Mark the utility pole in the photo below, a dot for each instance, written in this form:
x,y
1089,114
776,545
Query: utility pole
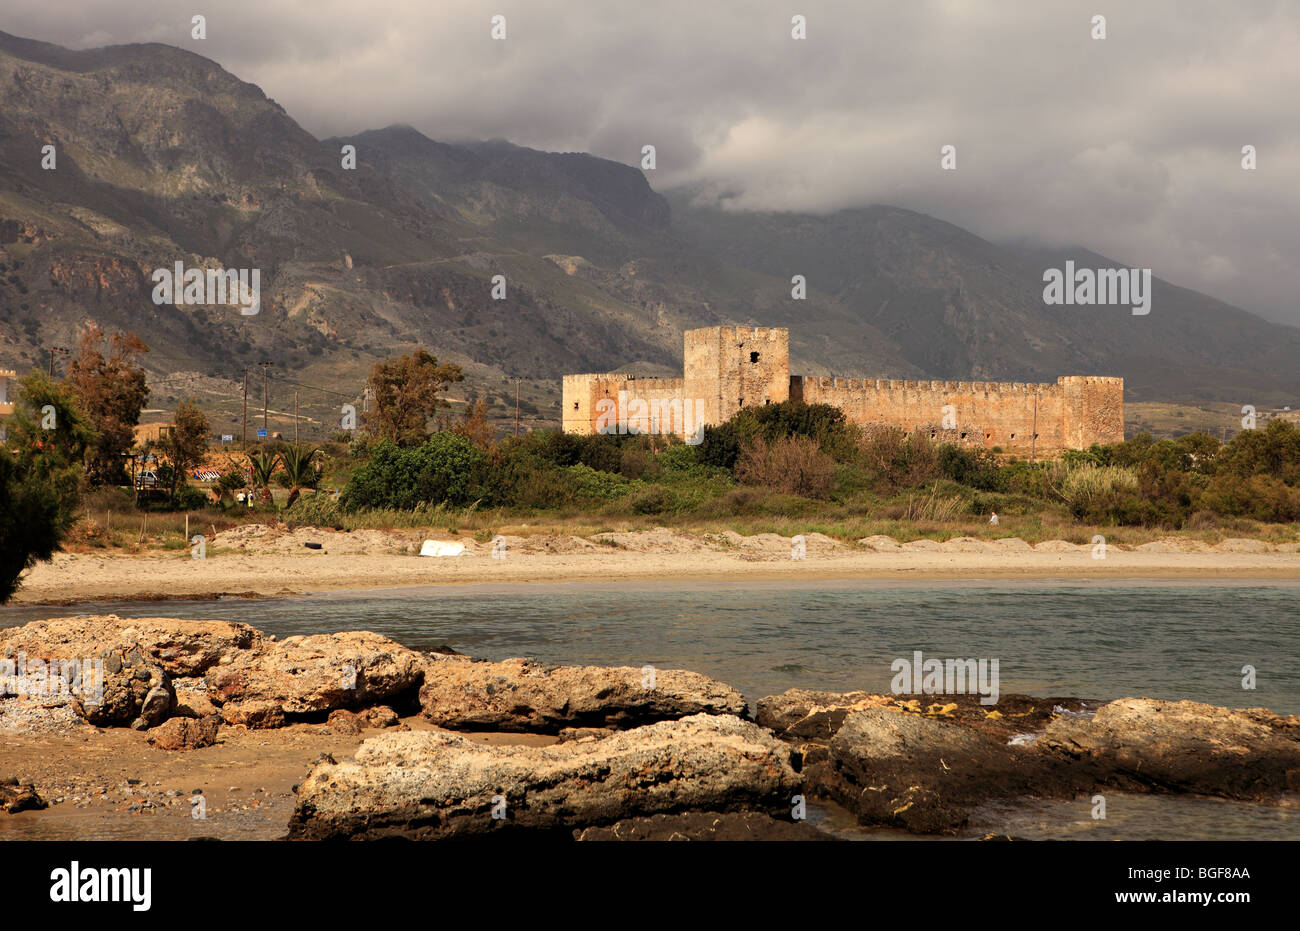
x,y
243,441
53,350
265,394
516,407
295,418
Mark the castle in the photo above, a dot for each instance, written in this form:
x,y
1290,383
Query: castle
x,y
731,367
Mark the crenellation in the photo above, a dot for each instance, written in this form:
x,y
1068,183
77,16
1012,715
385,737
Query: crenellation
x,y
734,367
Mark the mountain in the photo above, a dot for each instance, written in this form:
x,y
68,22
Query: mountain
x,y
163,156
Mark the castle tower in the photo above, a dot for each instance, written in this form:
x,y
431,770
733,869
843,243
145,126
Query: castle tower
x,y
730,367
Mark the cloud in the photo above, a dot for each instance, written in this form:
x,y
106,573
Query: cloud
x,y
1129,146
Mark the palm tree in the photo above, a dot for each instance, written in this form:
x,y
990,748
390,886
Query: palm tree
x,y
263,465
300,467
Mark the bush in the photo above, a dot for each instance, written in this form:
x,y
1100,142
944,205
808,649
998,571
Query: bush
x,y
590,483
444,469
793,464
652,500
318,510
897,459
971,467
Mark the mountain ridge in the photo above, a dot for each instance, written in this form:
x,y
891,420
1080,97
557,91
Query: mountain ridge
x,y
164,156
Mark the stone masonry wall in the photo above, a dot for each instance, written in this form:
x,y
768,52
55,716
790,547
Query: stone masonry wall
x,y
727,368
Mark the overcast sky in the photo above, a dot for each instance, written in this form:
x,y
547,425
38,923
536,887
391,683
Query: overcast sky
x,y
1130,145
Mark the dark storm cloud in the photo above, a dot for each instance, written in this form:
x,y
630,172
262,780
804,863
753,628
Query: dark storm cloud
x,y
1129,146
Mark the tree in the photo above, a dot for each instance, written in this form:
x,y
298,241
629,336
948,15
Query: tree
x,y
300,467
40,478
111,391
406,396
444,469
474,426
187,444
262,465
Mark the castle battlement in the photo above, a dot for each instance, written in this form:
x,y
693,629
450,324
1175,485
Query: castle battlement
x,y
728,368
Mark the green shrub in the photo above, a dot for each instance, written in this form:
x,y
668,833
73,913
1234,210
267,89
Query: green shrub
x,y
444,469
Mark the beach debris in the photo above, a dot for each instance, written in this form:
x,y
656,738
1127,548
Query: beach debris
x,y
443,548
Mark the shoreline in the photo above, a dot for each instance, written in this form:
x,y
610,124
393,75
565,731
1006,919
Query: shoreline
x,y
278,569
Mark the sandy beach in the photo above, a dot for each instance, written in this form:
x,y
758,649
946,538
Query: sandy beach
x,y
259,560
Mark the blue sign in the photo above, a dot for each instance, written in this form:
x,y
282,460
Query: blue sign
x,y
261,433
227,438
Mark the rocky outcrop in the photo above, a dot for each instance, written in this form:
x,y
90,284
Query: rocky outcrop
x,y
524,695
185,733
181,648
313,675
1184,746
803,714
924,774
133,690
431,785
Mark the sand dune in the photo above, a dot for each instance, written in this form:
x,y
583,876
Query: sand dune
x,y
262,560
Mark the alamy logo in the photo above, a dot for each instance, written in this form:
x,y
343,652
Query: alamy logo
x,y
657,415
56,680
181,285
1118,286
946,677
78,884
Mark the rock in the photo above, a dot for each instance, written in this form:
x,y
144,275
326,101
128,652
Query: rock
x,y
1183,746
253,714
134,690
379,716
708,825
185,733
344,722
193,703
181,648
880,543
805,715
305,675
524,695
809,714
568,734
430,785
924,774
16,797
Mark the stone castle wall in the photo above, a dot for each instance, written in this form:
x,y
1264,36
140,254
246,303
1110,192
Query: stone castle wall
x,y
727,368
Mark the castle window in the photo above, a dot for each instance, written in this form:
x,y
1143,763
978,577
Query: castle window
x,y
963,436
741,402
575,405
1013,436
753,357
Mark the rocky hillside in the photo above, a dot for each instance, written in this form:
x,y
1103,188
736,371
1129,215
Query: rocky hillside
x,y
163,156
